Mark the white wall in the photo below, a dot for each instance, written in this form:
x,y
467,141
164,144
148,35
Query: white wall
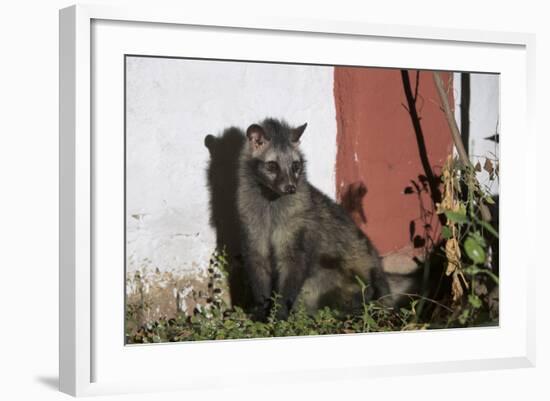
x,y
484,120
172,104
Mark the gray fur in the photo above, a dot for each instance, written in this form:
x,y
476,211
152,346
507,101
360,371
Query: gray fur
x,y
298,243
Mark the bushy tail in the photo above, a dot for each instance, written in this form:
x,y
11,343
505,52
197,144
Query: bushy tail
x,y
382,290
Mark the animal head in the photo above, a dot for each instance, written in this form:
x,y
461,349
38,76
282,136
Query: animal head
x,y
275,157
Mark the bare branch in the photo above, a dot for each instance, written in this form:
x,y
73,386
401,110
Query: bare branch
x,y
457,138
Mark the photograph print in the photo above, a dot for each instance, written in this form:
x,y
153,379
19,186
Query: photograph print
x,y
267,199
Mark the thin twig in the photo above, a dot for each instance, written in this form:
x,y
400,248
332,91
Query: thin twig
x,y
457,138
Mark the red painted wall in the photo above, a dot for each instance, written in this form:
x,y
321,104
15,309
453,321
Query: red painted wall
x,y
378,154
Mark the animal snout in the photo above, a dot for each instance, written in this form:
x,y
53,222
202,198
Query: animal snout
x,y
290,189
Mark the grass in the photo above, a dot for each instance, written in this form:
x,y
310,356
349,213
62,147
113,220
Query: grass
x,y
218,324
213,319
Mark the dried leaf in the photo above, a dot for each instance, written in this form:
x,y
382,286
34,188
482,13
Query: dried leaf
x,y
452,253
488,166
456,287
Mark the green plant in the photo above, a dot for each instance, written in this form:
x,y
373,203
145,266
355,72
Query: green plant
x,y
468,242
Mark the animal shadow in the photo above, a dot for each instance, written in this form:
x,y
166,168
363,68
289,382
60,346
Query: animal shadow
x,y
222,180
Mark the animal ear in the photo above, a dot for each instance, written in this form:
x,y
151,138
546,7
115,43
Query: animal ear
x,y
257,138
210,142
297,132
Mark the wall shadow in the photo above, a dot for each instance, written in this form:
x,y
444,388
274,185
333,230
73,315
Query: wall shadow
x,y
432,180
222,180
352,202
428,183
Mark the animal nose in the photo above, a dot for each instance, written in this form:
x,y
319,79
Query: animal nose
x,y
290,189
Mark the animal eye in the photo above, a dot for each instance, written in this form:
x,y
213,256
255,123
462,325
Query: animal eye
x,y
296,166
272,167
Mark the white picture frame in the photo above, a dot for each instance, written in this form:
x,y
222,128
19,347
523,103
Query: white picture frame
x,y
93,358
